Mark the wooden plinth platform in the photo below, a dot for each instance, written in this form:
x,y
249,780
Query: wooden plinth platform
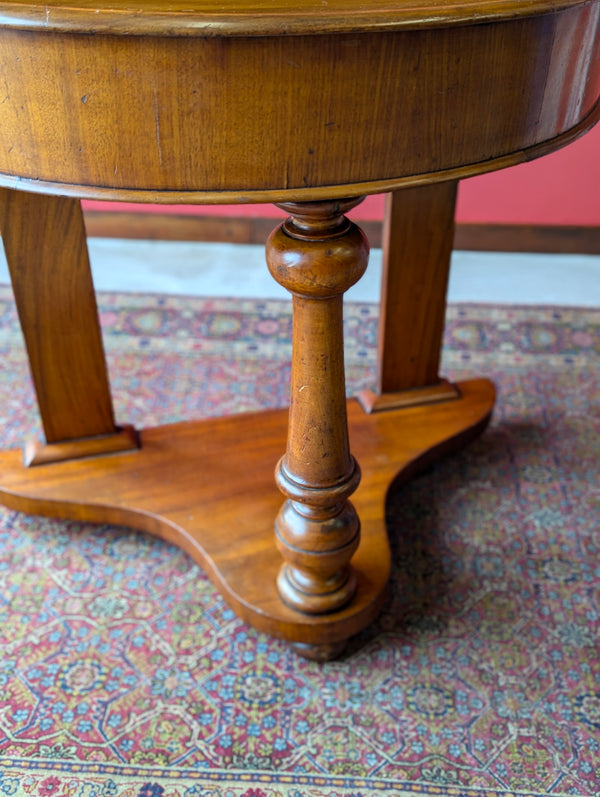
x,y
208,487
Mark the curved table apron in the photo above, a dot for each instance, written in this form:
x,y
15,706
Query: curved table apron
x,y
310,106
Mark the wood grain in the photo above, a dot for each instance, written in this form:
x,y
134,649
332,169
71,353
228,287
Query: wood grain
x,y
209,18
418,239
191,102
45,245
205,118
317,254
124,438
193,484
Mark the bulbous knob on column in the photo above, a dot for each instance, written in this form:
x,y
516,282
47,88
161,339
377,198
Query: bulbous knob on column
x,y
317,254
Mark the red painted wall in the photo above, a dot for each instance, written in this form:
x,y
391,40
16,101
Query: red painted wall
x,y
560,189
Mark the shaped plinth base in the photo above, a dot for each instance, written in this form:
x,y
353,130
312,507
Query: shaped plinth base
x,y
208,487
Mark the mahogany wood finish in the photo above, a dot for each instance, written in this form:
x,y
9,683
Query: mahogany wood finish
x,y
419,234
317,254
45,245
418,237
208,487
52,284
217,106
304,105
124,438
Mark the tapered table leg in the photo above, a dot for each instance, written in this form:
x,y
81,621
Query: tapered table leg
x,y
417,245
45,244
208,485
317,254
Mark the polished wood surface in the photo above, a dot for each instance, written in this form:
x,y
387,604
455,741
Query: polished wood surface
x,y
157,109
417,244
208,487
418,240
261,17
52,284
312,106
317,254
46,251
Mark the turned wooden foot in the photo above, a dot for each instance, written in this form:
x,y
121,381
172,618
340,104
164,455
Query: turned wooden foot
x,y
324,652
317,254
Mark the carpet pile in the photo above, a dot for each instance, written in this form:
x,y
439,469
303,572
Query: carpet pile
x,y
122,672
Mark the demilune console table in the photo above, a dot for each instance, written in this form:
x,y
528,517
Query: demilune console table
x,y
311,105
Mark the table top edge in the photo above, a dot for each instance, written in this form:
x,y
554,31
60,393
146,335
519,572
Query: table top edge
x,y
250,18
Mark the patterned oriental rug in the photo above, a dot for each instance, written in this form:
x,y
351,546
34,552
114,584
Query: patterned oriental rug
x,y
123,673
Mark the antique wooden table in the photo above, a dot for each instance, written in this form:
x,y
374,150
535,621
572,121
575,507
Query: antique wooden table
x,y
309,104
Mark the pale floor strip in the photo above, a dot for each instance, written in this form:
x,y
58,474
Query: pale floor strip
x,y
237,270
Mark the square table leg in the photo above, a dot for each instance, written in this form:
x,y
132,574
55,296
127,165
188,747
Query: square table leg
x,y
418,237
46,250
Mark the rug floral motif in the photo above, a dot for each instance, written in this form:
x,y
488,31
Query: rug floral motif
x,y
122,672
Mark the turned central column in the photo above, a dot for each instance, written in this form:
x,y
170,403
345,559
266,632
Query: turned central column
x,y
317,254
